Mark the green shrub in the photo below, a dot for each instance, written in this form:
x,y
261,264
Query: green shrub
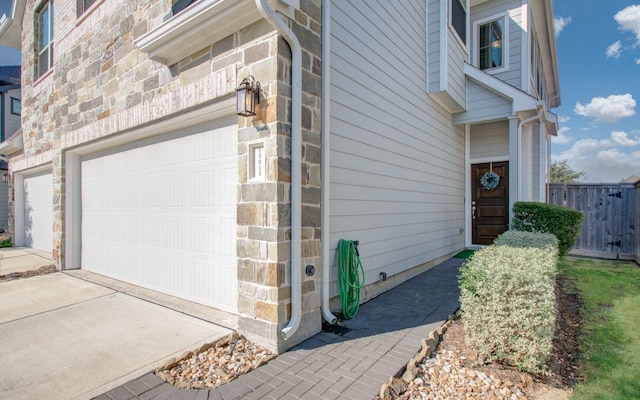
x,y
564,223
5,243
527,239
508,304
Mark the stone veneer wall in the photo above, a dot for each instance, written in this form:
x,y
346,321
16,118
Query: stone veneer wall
x,y
264,227
101,85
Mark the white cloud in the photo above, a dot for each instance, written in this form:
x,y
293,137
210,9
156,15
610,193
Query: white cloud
x,y
609,109
561,138
638,61
563,119
613,51
559,23
622,139
604,160
629,20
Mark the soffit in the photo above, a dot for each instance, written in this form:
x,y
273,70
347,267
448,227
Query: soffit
x,y
202,24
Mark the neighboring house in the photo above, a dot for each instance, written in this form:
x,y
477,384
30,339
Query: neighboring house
x,y
9,123
410,126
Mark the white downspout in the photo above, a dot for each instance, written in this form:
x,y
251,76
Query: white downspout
x,y
326,150
296,160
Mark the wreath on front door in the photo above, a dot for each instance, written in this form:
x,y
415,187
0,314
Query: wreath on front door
x,y
490,180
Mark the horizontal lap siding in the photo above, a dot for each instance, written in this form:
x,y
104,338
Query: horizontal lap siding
x,y
490,140
483,104
456,79
397,161
433,45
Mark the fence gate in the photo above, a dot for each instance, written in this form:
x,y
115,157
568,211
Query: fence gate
x,y
608,230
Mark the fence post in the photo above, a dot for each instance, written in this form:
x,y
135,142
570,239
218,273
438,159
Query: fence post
x,y
637,241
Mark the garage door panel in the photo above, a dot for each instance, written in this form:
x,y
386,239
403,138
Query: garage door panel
x,y
37,223
169,226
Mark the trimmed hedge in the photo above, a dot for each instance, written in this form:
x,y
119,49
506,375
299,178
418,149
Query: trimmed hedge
x,y
564,223
527,239
508,304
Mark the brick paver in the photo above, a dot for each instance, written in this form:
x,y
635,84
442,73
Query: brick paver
x,y
353,364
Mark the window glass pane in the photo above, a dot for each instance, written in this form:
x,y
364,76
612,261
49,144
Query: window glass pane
x,y
459,19
88,3
43,25
44,39
490,45
15,106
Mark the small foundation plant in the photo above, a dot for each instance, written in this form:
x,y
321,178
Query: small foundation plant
x,y
508,302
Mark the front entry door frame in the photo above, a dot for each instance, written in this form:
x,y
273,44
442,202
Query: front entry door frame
x,y
474,190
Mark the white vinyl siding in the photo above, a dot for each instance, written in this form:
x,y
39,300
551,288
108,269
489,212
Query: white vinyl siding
x,y
433,46
483,105
161,213
535,167
490,140
446,58
457,56
397,161
11,121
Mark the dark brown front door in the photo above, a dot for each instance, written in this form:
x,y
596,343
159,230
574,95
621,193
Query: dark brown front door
x,y
489,205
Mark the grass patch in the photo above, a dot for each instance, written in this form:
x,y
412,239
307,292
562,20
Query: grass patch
x,y
610,334
466,254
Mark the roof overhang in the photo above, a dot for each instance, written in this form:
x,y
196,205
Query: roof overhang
x,y
542,13
202,24
521,101
11,26
12,144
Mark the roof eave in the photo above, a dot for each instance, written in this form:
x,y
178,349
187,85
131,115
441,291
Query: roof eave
x,y
11,27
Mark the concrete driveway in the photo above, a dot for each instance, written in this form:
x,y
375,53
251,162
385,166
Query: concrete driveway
x,y
62,337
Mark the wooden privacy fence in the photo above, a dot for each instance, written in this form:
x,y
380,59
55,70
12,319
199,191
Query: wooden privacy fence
x,y
611,215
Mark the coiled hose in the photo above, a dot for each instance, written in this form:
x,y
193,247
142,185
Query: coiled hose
x,y
349,282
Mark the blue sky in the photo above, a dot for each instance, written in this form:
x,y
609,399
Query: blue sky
x,y
8,56
598,44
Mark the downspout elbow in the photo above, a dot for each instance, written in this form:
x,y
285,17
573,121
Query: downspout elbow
x,y
296,158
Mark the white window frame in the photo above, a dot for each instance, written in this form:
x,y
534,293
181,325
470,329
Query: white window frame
x,y
465,4
505,42
48,47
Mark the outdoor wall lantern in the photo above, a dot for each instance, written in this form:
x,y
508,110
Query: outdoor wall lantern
x,y
248,95
5,178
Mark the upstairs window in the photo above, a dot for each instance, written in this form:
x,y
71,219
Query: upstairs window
x,y
459,19
44,38
84,5
16,108
179,5
491,45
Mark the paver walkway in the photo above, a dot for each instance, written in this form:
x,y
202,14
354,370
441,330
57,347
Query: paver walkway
x,y
353,362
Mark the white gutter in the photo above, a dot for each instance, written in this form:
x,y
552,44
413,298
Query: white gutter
x,y
296,160
326,150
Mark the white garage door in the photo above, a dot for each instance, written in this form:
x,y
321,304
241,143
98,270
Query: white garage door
x,y
38,211
161,213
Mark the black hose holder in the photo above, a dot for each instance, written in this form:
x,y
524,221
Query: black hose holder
x,y
310,270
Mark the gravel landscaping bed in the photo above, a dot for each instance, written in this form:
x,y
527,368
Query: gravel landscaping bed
x,y
27,274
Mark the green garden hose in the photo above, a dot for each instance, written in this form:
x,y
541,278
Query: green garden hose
x,y
349,283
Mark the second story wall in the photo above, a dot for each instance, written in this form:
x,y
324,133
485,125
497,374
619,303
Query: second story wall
x,y
11,111
513,16
100,83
